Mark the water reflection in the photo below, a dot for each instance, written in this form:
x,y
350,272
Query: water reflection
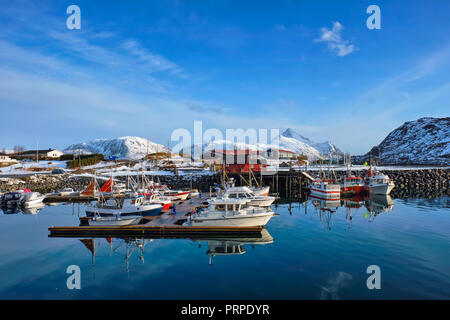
x,y
375,204
16,209
309,260
235,246
216,246
124,247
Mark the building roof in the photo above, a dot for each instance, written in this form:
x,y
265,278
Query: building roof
x,y
235,152
281,150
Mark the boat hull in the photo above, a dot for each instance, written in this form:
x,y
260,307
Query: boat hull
x,y
381,189
34,202
178,197
262,202
353,190
325,194
250,221
146,211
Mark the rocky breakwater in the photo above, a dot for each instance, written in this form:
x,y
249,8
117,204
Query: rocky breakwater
x,y
44,183
199,181
424,183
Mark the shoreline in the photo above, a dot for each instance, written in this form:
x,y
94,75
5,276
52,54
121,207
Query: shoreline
x,y
407,181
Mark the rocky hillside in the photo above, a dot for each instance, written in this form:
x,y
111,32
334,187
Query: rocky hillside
x,y
425,141
122,148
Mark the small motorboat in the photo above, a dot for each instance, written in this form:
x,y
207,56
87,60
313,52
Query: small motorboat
x,y
68,192
128,206
176,195
31,199
227,212
156,198
247,193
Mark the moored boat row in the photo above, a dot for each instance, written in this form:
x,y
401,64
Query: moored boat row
x,y
374,183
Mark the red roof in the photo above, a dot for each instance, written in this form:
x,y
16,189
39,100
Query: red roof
x,y
236,152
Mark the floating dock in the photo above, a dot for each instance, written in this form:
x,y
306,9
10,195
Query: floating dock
x,y
54,199
77,198
145,230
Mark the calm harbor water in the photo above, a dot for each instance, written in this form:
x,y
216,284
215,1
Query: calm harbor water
x,y
312,250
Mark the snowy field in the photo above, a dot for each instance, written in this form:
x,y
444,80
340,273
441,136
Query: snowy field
x,y
21,167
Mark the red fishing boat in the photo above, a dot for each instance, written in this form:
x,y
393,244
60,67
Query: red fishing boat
x,y
352,185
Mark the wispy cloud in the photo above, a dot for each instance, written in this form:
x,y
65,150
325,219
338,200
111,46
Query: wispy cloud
x,y
437,60
152,60
334,40
203,108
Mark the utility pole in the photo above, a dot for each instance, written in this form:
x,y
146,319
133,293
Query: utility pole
x,y
37,152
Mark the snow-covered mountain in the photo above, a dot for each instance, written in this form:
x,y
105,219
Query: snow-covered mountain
x,y
122,148
423,141
288,140
326,149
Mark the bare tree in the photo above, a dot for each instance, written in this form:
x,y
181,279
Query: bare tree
x,y
19,148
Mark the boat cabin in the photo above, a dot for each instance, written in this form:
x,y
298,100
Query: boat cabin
x,y
228,205
239,193
353,181
380,179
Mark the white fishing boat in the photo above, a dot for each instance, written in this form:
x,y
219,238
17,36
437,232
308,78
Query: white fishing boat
x,y
380,184
128,206
225,212
31,199
247,193
325,189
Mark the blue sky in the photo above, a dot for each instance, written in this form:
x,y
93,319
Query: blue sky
x,y
147,68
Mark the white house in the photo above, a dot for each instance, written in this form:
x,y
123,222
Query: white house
x,y
53,153
42,154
